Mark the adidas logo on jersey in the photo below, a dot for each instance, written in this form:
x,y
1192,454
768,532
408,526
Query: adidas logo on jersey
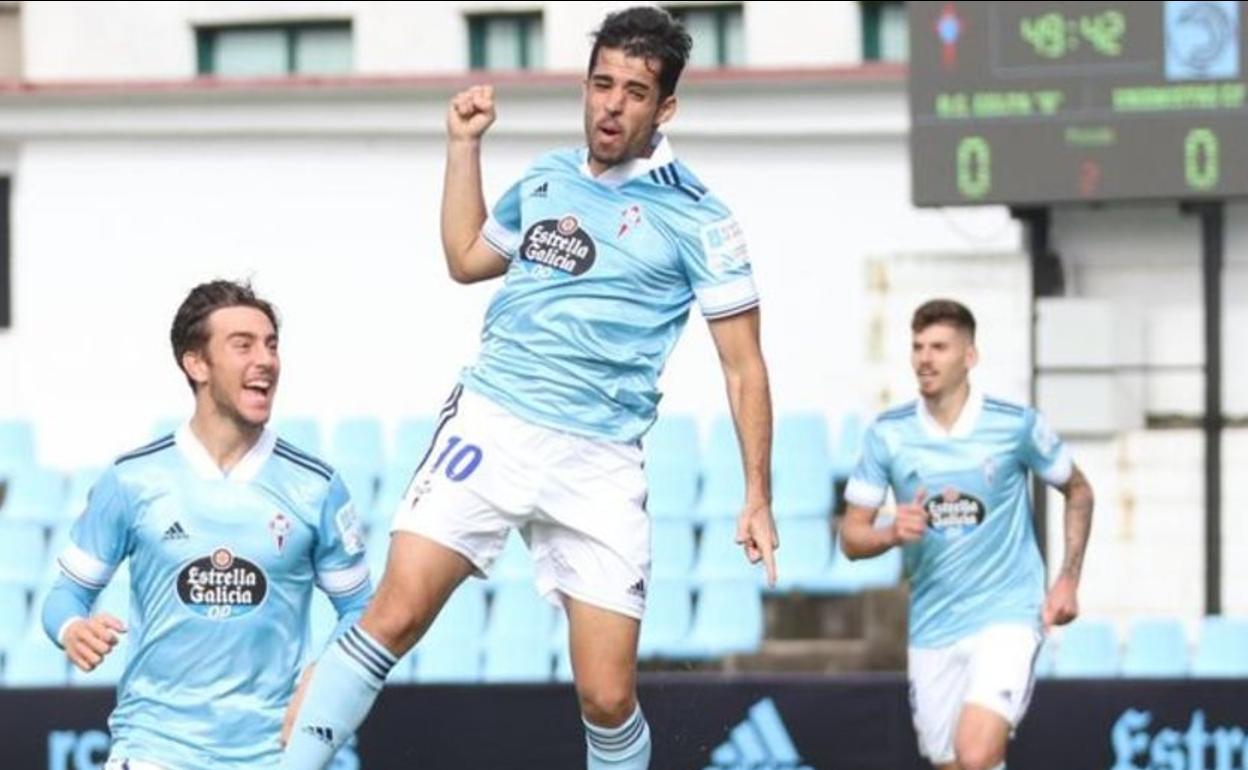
x,y
323,734
540,191
761,742
638,589
175,532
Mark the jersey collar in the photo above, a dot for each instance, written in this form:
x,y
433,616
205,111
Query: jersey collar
x,y
624,172
965,423
205,467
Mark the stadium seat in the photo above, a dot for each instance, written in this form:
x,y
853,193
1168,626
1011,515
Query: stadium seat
x,y
719,556
17,446
519,615
411,441
35,495
723,484
302,432
672,468
1222,650
358,442
21,553
33,661
1156,648
451,649
801,467
848,445
514,564
361,483
728,619
849,576
806,554
671,550
1087,648
506,661
80,483
669,616
14,614
389,495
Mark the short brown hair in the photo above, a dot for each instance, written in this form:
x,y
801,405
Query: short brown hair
x,y
190,324
943,311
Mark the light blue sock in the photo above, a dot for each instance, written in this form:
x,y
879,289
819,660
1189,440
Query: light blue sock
x,y
626,747
344,685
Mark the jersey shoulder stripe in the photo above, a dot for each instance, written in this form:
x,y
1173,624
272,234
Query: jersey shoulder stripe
x,y
670,177
302,455
278,451
159,445
1003,406
899,413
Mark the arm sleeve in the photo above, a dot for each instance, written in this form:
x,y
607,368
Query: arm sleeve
x,y
1043,451
868,484
99,541
339,555
502,227
66,602
714,256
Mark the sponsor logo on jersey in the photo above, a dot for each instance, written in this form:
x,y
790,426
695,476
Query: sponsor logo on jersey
x,y
560,244
954,511
222,585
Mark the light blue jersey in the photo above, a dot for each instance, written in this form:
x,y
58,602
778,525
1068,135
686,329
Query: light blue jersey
x,y
221,575
603,272
977,563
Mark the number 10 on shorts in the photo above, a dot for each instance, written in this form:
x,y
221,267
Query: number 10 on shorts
x,y
460,459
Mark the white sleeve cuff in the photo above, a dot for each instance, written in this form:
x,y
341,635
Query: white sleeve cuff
x,y
864,494
340,582
1058,472
84,569
501,239
725,299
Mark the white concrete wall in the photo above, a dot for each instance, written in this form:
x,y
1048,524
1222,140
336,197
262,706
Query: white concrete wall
x,y
155,39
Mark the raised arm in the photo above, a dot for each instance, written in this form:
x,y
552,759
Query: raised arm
x,y
469,257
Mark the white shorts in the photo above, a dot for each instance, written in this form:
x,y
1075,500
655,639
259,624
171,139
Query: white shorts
x,y
578,502
993,668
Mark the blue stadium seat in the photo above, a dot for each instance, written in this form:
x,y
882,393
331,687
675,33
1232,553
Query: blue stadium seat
x,y
672,467
1223,648
33,661
80,483
14,614
35,495
515,564
669,617
389,495
17,446
303,432
358,442
805,554
451,649
849,576
719,556
411,441
1156,648
1046,658
506,661
723,484
801,467
1087,648
848,445
520,616
21,553
728,619
671,550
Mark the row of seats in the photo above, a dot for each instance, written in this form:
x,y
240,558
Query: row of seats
x,y
1152,648
687,480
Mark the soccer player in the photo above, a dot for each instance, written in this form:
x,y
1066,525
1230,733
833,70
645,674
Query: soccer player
x,y
604,250
226,528
957,462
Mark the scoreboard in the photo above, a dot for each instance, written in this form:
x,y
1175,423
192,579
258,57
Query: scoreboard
x,y
1046,102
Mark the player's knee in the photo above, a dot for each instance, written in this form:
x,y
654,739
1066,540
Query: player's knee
x,y
978,756
607,705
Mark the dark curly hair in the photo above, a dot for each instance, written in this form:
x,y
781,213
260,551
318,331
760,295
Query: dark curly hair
x,y
647,32
190,324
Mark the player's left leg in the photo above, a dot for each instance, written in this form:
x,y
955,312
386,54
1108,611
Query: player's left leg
x,y
603,647
1001,681
591,548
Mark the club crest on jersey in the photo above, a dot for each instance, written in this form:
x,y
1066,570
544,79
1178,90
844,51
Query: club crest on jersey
x,y
560,244
222,585
954,513
630,220
280,527
990,471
